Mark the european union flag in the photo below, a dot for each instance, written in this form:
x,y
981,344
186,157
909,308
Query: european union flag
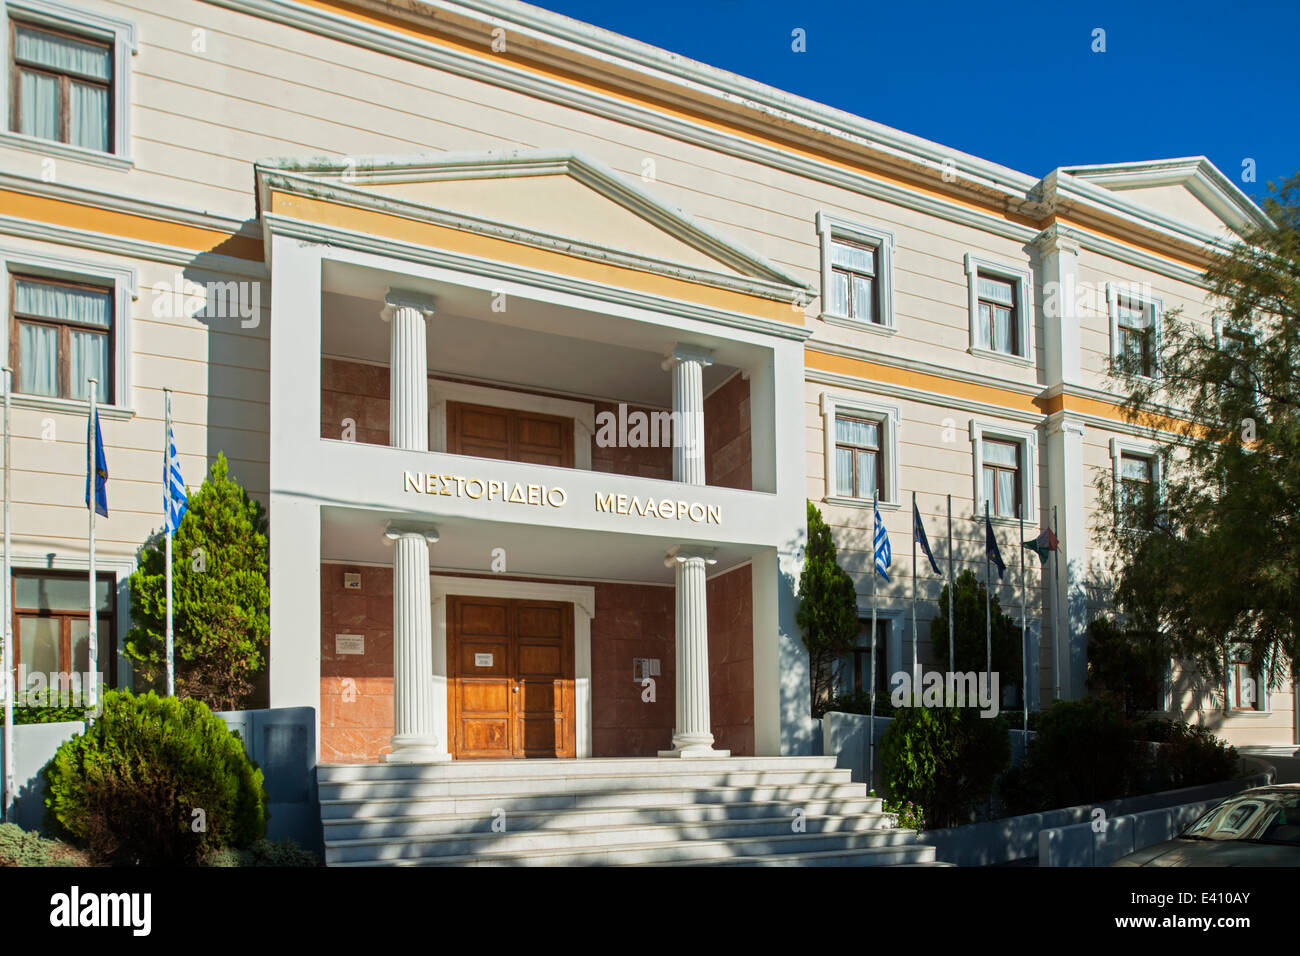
x,y
101,469
918,529
991,547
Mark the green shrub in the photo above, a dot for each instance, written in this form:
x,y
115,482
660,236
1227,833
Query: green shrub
x,y
908,815
1085,752
154,780
1188,756
19,847
947,759
858,702
263,853
49,715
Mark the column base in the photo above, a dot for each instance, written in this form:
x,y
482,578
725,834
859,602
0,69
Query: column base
x,y
700,745
416,750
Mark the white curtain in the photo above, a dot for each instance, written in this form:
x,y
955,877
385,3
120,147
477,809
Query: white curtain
x,y
88,357
63,53
1002,330
89,117
64,303
38,359
839,293
1007,493
843,471
39,106
982,326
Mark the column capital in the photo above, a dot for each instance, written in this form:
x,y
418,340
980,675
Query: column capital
x,y
395,299
1056,238
394,530
687,353
681,553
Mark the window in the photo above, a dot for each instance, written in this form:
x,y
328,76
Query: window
x,y
997,326
1136,335
63,87
1002,478
1236,344
1006,463
52,625
1000,325
861,451
853,282
1134,328
858,677
1244,691
1136,475
66,82
857,274
1137,490
859,465
61,334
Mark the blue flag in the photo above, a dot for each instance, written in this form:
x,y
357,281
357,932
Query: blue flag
x,y
101,470
918,529
177,500
883,552
991,547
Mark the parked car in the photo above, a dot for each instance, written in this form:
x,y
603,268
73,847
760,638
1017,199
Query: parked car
x,y
1259,827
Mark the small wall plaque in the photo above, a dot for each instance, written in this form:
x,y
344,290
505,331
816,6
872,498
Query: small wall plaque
x,y
351,581
482,660
349,643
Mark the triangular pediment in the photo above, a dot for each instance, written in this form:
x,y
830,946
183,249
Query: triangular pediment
x,y
558,199
1191,191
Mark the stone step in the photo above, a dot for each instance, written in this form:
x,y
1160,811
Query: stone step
x,y
586,800
880,847
435,787
599,767
446,824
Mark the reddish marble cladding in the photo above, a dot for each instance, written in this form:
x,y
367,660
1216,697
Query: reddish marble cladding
x,y
350,390
726,436
631,621
642,462
731,661
356,690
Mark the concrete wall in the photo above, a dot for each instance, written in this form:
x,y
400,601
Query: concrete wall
x,y
34,745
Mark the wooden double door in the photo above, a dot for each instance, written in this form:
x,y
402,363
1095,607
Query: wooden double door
x,y
510,678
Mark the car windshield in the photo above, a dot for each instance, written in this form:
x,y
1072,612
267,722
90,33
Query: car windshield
x,y
1258,817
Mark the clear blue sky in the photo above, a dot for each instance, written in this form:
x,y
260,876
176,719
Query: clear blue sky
x,y
1016,83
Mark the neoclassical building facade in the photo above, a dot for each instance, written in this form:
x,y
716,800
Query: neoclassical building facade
x,y
535,340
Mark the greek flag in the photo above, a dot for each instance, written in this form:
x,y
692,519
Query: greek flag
x,y
177,500
882,549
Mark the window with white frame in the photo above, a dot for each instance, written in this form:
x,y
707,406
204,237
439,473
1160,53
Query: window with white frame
x,y
857,274
1000,320
67,74
1246,685
1006,461
861,450
66,321
1136,474
1236,344
1135,317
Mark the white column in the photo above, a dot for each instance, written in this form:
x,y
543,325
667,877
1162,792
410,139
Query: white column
x,y
687,363
415,738
1066,486
693,735
408,369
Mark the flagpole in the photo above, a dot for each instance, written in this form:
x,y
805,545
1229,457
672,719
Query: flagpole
x,y
916,681
10,689
1056,602
988,603
1024,653
952,586
92,479
167,528
871,723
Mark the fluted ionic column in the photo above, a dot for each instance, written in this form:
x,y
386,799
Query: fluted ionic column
x,y
687,364
408,369
693,735
415,739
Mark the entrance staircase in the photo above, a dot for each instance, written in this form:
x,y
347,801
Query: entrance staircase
x,y
736,811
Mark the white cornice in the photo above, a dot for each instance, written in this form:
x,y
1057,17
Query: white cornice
x,y
558,40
